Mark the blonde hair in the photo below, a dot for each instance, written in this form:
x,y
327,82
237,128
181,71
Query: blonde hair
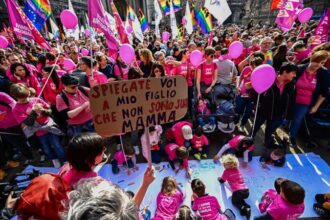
x,y
320,56
147,56
19,91
169,185
229,161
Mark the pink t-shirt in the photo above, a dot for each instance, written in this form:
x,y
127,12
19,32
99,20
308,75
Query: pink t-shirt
x,y
281,209
233,143
198,142
252,49
169,69
30,81
120,157
170,151
280,87
267,199
207,72
208,208
75,101
50,92
98,77
245,76
176,132
7,118
305,86
73,176
234,178
22,111
123,74
182,70
202,109
168,205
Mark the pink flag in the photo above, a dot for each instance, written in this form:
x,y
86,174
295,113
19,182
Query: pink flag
x,y
210,40
120,24
22,26
98,19
322,30
288,14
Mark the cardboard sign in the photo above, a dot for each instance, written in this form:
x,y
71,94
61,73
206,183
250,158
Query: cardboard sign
x,y
124,106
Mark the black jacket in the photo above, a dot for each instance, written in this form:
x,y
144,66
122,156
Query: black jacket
x,y
272,104
322,82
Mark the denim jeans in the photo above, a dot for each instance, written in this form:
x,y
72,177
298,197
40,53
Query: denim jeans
x,y
300,112
52,146
244,108
74,130
204,120
271,126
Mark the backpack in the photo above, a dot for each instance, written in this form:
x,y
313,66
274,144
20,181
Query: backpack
x,y
43,198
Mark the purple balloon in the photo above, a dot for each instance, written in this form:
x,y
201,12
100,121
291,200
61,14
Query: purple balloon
x,y
235,49
196,58
69,19
84,52
305,14
87,33
263,77
127,53
166,36
68,64
129,29
3,42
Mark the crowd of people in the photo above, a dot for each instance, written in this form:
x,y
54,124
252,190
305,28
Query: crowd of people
x,y
45,110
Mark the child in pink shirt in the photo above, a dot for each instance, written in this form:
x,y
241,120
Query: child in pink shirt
x,y
176,153
127,158
269,196
200,144
289,204
84,152
203,109
168,200
237,184
207,206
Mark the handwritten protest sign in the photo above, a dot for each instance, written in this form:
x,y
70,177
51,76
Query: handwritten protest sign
x,y
124,106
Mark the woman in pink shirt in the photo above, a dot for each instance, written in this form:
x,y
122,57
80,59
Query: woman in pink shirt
x,y
168,200
312,87
176,153
289,204
94,77
53,87
84,152
237,184
21,74
121,69
207,74
207,206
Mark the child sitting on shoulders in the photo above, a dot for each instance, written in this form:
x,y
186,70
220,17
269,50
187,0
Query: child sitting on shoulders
x,y
239,145
269,196
168,200
289,204
127,159
237,184
207,206
176,153
200,144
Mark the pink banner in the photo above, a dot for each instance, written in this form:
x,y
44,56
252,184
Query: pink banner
x,y
288,14
322,30
99,20
120,25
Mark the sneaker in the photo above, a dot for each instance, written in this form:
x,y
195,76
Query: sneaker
x,y
137,150
212,128
197,156
3,174
42,158
56,163
320,210
204,156
12,164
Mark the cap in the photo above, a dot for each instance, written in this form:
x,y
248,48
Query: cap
x,y
187,132
68,79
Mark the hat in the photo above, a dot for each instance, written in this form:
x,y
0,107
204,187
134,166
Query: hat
x,y
68,79
187,132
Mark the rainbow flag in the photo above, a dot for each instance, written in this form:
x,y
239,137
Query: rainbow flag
x,y
176,5
165,5
38,11
194,12
143,21
204,19
130,13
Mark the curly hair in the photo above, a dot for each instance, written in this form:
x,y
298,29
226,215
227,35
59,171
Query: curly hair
x,y
229,161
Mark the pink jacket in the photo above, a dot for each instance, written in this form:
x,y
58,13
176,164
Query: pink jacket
x,y
176,132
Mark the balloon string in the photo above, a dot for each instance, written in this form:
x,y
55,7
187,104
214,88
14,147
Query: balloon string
x,y
255,116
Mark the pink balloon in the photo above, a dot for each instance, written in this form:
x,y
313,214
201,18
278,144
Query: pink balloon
x,y
263,77
69,19
68,64
196,58
129,29
166,36
284,29
235,49
84,52
305,14
87,33
127,53
3,42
